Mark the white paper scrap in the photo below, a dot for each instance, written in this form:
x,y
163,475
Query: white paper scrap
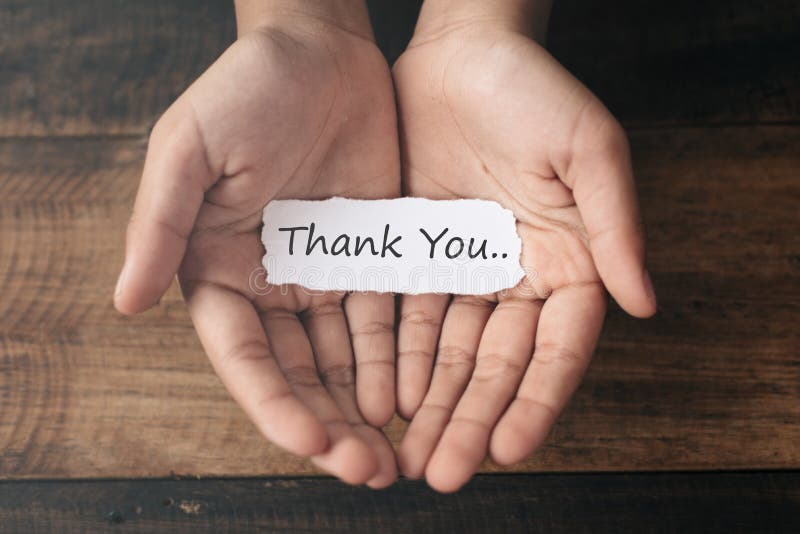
x,y
403,245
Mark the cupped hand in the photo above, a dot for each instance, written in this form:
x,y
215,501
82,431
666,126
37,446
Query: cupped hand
x,y
302,109
485,112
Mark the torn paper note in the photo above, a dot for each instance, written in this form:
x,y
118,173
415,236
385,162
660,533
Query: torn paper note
x,y
403,245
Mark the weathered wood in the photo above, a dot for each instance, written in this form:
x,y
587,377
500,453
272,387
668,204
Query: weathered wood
x,y
713,382
102,67
729,502
91,67
685,61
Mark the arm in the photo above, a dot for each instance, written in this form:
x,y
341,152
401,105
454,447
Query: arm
x,y
527,17
349,15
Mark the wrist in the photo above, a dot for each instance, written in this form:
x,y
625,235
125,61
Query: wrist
x,y
347,15
528,17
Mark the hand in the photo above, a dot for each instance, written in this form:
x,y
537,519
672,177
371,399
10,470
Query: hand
x,y
486,112
300,106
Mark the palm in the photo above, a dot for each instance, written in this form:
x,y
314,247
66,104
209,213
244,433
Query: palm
x,y
279,116
488,131
493,116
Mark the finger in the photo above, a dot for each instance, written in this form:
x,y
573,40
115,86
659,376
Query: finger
x,y
348,456
370,318
231,334
569,326
417,335
386,474
504,351
175,178
327,330
463,325
601,178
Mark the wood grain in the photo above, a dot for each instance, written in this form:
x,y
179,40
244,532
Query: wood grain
x,y
684,61
93,67
706,503
713,382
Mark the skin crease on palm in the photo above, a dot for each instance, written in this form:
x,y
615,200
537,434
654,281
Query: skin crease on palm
x,y
486,112
301,109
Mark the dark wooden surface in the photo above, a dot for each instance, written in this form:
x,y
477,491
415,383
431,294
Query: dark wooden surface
x,y
713,382
99,67
704,503
710,93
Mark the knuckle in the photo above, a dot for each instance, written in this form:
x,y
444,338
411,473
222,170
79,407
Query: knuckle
x,y
373,328
157,132
532,404
471,421
253,350
555,353
301,375
278,315
617,138
324,309
436,407
451,356
420,318
612,141
386,366
473,301
597,130
165,127
177,139
268,400
495,366
342,376
417,354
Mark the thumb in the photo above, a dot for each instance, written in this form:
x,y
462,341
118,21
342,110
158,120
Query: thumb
x,y
175,178
601,177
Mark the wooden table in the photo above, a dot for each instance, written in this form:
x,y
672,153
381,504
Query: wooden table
x,y
710,95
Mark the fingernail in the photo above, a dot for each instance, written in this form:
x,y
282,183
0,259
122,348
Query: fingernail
x,y
120,281
648,287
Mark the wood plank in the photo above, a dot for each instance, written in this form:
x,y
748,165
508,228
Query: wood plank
x,y
707,502
685,61
713,382
93,67
102,67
